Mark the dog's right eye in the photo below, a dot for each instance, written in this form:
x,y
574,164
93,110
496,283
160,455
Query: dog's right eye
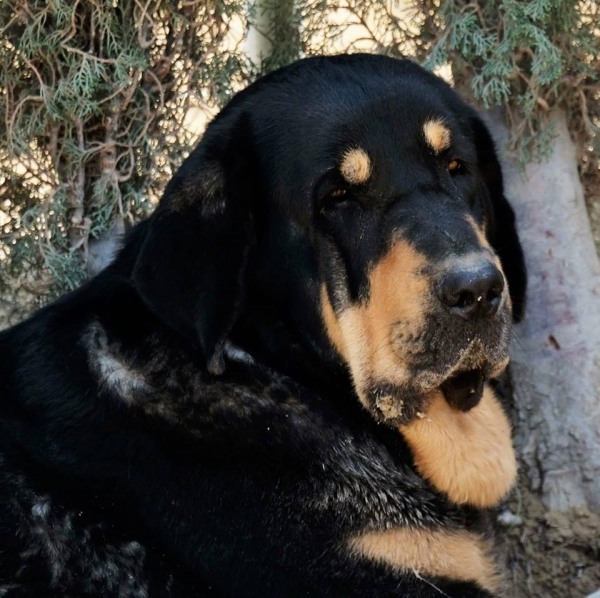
x,y
456,167
331,193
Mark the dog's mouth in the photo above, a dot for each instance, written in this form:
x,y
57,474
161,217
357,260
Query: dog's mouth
x,y
461,383
464,390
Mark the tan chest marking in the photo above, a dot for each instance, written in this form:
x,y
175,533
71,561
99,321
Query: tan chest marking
x,y
468,456
457,555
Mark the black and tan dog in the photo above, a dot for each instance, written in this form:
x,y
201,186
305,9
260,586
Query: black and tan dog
x,y
279,387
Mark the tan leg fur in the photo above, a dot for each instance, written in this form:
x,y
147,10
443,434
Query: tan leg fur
x,y
457,555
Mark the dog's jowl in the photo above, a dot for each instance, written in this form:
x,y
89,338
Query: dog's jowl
x,y
280,386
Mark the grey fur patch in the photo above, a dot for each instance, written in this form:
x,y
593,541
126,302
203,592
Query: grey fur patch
x,y
41,509
72,553
114,371
236,354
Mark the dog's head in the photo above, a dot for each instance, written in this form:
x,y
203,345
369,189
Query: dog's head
x,y
357,203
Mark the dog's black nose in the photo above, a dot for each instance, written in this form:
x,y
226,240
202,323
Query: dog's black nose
x,y
472,291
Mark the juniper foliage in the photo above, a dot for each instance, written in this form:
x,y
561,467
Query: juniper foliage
x,y
95,101
96,95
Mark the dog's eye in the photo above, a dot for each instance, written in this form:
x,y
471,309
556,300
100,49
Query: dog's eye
x,y
331,195
335,198
456,167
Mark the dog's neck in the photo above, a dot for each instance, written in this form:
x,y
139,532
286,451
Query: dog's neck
x,y
305,355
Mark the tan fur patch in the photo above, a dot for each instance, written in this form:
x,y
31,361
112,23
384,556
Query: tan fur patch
x,y
332,325
356,166
468,456
459,555
479,232
483,241
437,135
362,334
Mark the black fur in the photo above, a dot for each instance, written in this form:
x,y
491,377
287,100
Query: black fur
x,y
181,425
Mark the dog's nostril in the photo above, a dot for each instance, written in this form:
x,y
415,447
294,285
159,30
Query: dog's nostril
x,y
472,292
494,293
464,299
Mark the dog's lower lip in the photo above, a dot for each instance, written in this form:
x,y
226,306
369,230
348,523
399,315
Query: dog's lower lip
x,y
464,390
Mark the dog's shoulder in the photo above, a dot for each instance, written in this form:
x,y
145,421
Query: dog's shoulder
x,y
111,384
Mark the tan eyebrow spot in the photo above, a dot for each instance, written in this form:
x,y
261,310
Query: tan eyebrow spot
x,y
437,135
356,166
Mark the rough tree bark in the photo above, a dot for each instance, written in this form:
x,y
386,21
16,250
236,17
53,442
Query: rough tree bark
x,y
556,350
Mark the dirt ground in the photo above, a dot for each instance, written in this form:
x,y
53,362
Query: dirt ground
x,y
549,554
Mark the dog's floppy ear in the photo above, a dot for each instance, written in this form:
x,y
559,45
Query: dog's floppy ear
x,y
502,230
191,265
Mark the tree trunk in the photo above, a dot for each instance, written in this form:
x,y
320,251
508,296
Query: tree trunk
x,y
556,350
258,46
